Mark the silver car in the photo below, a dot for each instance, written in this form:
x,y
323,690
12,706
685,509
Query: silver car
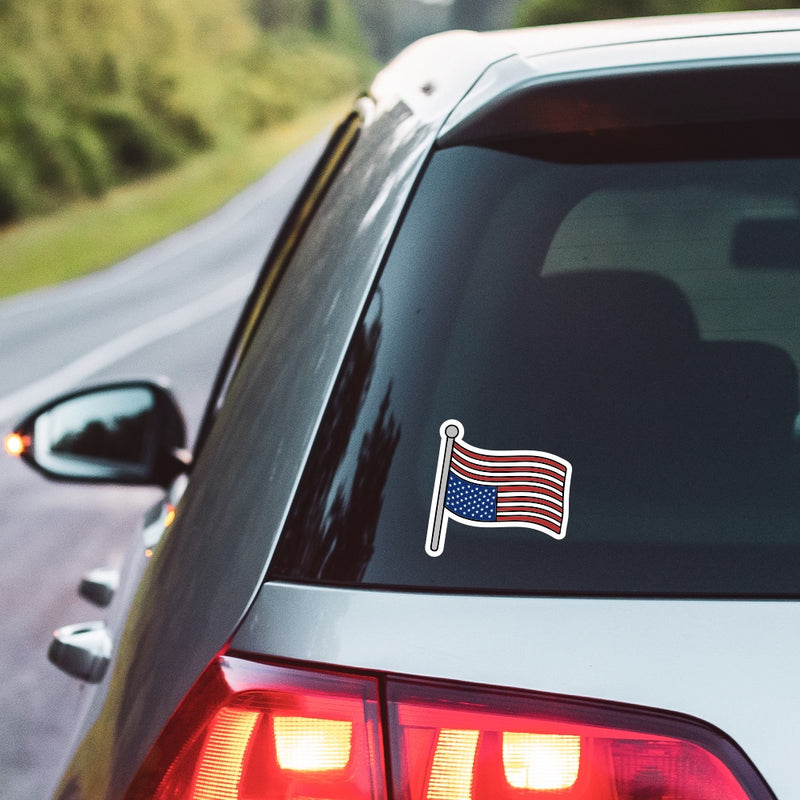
x,y
497,496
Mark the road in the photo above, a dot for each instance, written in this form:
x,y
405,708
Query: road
x,y
167,311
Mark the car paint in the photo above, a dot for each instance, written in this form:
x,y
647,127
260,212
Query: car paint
x,y
730,663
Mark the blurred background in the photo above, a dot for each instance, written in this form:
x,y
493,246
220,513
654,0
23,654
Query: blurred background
x,y
97,93
162,141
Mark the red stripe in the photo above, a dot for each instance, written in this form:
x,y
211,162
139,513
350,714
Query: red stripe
x,y
494,480
479,456
525,488
518,499
533,506
531,511
466,451
543,522
525,469
512,465
516,466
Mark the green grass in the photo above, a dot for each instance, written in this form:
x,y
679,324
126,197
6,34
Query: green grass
x,y
92,234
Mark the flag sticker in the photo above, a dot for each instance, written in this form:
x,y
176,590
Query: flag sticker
x,y
496,488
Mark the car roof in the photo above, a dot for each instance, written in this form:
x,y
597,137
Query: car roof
x,y
436,74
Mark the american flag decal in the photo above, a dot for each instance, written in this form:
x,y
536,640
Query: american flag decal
x,y
496,488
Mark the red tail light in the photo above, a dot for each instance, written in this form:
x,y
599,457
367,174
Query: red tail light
x,y
255,731
461,744
250,731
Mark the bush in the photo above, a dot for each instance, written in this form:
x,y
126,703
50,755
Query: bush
x,y
46,161
312,14
18,189
91,159
136,142
95,92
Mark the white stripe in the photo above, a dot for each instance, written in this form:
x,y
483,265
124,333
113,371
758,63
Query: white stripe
x,y
527,482
505,491
25,399
519,460
510,473
551,514
529,501
528,504
537,527
520,466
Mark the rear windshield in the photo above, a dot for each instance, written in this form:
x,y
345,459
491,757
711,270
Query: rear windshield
x,y
577,374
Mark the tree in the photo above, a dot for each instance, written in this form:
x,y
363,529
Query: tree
x,y
314,14
471,14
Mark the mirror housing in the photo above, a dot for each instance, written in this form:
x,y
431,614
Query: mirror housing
x,y
129,433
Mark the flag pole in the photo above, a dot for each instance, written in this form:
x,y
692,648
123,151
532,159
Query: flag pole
x,y
437,524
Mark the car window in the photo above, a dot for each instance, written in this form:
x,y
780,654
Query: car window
x,y
626,311
244,475
282,250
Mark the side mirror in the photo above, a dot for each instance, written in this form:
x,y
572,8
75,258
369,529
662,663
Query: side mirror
x,y
129,433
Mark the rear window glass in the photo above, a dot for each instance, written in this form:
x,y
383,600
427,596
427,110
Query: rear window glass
x,y
630,312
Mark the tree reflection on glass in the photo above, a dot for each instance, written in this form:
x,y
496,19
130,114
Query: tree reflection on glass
x,y
120,438
330,531
92,434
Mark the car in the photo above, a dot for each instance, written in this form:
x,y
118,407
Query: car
x,y
496,494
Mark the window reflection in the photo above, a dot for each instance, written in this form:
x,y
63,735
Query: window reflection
x,y
331,531
96,435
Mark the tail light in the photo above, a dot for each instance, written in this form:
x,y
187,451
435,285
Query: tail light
x,y
250,731
254,731
463,744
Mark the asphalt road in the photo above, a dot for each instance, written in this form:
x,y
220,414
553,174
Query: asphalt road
x,y
166,312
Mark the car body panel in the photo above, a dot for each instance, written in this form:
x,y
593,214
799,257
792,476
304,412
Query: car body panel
x,y
177,625
134,566
514,75
450,63
732,664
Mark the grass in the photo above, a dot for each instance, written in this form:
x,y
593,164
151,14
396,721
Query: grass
x,y
89,235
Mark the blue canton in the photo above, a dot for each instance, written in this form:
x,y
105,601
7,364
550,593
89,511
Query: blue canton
x,y
470,500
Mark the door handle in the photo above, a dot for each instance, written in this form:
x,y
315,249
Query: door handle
x,y
82,651
99,585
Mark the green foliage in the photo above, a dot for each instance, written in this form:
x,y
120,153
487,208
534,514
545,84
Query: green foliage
x,y
312,14
97,92
547,12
